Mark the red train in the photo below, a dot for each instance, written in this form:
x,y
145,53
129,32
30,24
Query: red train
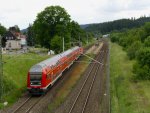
x,y
44,74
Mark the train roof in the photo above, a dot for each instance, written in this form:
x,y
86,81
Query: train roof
x,y
51,61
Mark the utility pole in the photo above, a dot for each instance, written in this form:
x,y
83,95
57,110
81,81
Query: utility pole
x,y
87,38
63,44
79,38
1,70
70,41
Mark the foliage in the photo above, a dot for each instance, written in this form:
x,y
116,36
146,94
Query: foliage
x,y
119,25
137,44
142,72
54,20
132,50
122,85
142,67
2,30
30,35
143,56
147,42
56,44
75,31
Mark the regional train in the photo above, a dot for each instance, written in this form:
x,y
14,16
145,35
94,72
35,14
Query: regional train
x,y
44,74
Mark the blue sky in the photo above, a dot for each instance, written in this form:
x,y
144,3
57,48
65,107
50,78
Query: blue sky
x,y
23,12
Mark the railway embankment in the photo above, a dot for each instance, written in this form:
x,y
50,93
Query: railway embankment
x,y
15,68
127,95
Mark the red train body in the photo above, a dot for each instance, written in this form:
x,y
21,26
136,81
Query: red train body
x,y
44,74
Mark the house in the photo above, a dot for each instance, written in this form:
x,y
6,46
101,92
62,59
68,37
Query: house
x,y
13,39
23,40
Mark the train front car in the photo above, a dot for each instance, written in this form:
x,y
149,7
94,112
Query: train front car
x,y
35,80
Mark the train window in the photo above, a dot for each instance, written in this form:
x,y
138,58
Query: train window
x,y
35,77
52,66
58,62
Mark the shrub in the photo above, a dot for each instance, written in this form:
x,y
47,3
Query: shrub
x,y
143,56
142,72
147,42
132,50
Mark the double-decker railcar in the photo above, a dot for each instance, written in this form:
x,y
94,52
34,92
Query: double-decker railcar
x,y
44,74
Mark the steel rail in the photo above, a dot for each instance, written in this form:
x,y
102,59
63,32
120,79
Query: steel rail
x,y
83,86
91,86
22,105
29,109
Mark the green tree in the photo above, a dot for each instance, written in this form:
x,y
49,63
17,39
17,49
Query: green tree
x,y
56,44
132,50
147,42
142,72
54,20
147,28
143,56
75,31
30,35
2,30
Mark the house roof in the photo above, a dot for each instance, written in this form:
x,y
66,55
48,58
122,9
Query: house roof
x,y
9,36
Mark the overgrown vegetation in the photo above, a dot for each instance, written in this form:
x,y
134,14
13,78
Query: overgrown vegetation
x,y
126,96
137,44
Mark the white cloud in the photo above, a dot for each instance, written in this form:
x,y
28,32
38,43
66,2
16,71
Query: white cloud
x,y
23,12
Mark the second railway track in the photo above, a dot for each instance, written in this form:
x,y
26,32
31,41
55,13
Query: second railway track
x,y
27,105
80,102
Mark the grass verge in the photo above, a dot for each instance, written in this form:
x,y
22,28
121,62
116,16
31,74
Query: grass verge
x,y
127,96
15,69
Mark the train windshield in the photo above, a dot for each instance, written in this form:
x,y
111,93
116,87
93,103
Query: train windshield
x,y
35,79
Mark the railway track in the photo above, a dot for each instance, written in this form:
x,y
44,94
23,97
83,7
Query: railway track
x,y
27,105
82,98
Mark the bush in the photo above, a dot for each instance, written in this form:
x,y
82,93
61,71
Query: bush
x,y
143,56
132,50
142,72
56,44
147,42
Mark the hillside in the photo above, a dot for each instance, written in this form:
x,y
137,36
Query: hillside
x,y
120,24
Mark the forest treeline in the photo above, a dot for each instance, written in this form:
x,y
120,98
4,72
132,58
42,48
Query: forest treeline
x,y
136,42
120,25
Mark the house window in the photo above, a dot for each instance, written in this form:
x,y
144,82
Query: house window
x,y
9,45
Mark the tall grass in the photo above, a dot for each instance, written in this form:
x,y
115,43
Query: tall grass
x,y
127,96
15,69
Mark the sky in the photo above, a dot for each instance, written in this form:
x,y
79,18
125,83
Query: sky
x,y
23,12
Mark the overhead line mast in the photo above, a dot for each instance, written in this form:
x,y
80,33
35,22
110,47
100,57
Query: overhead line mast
x,y
1,70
